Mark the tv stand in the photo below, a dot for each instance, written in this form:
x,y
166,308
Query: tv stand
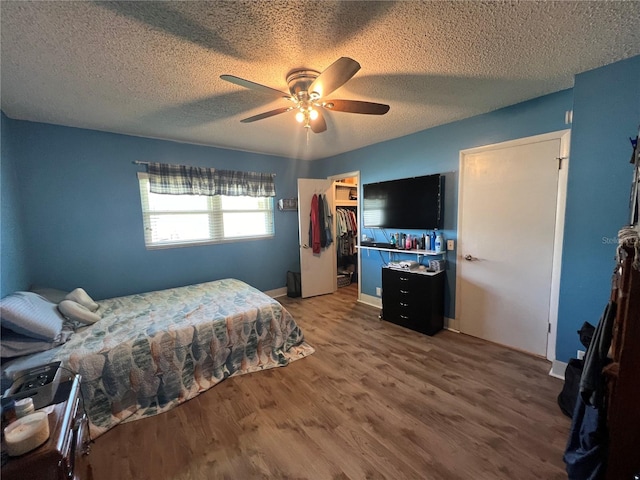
x,y
413,300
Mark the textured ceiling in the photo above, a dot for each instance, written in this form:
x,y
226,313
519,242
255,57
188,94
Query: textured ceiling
x,y
153,69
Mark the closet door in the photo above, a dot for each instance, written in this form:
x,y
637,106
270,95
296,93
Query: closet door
x,y
318,272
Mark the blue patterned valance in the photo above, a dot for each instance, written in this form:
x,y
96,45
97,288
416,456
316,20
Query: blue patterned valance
x,y
186,180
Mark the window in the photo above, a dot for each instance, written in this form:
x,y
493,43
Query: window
x,y
179,220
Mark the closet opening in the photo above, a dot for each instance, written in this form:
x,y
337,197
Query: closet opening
x,y
346,223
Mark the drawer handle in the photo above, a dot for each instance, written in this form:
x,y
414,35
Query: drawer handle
x,y
404,279
404,304
404,291
404,317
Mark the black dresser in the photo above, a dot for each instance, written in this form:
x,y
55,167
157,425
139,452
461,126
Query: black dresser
x,y
413,300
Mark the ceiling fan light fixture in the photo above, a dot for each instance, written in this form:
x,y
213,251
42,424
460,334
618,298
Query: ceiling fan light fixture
x,y
306,90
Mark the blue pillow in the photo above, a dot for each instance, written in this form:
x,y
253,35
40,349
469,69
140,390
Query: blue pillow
x,y
29,314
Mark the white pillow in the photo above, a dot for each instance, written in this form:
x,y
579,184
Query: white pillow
x,y
29,314
75,311
80,296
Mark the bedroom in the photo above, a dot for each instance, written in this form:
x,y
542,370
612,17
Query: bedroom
x,y
70,204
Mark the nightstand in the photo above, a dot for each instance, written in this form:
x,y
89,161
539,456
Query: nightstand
x,y
64,455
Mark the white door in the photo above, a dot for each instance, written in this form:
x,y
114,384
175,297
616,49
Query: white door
x,y
318,271
507,221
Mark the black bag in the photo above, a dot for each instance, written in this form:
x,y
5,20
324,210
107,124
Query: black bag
x,y
569,395
586,334
293,284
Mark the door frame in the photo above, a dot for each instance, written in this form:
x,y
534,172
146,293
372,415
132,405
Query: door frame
x,y
356,174
561,200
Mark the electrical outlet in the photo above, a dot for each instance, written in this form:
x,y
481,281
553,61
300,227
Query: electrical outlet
x,y
450,245
581,354
378,291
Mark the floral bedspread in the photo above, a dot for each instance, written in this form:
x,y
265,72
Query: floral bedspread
x,y
153,351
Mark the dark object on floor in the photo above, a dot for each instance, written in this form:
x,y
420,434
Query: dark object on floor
x,y
569,394
294,288
567,397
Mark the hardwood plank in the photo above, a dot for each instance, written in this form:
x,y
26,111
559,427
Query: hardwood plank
x,y
375,401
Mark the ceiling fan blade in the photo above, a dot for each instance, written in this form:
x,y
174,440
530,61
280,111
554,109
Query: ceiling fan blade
x,y
254,86
334,76
318,125
356,106
268,114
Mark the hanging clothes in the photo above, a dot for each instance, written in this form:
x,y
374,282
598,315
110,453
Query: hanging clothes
x,y
586,449
346,231
314,225
328,220
321,221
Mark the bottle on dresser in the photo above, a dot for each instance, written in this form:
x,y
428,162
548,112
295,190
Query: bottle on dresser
x,y
439,244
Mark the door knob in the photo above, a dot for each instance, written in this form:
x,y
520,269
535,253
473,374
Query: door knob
x,y
470,258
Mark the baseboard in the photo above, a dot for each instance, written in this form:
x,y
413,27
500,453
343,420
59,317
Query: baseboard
x,y
370,300
557,369
451,324
278,292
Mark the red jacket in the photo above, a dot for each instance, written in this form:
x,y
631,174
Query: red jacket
x,y
315,225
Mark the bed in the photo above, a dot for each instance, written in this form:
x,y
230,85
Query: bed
x,y
153,351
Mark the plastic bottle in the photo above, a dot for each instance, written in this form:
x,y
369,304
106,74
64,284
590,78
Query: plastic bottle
x,y
24,407
407,245
439,243
433,239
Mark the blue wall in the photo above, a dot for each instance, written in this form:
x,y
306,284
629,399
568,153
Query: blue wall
x,y
437,150
83,226
75,207
14,273
606,113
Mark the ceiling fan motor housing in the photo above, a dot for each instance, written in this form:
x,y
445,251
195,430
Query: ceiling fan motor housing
x,y
299,81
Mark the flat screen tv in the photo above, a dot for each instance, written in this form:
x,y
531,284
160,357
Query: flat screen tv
x,y
408,203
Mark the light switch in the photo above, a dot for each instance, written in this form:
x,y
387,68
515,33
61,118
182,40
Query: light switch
x,y
450,245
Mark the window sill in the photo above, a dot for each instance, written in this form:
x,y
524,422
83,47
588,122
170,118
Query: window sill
x,y
165,246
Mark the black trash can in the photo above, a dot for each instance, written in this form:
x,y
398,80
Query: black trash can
x,y
293,284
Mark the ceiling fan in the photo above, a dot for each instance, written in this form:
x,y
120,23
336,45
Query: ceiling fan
x,y
307,92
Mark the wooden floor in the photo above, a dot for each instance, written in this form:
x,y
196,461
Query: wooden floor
x,y
374,401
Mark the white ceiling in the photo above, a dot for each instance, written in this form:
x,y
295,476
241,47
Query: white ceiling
x,y
153,69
